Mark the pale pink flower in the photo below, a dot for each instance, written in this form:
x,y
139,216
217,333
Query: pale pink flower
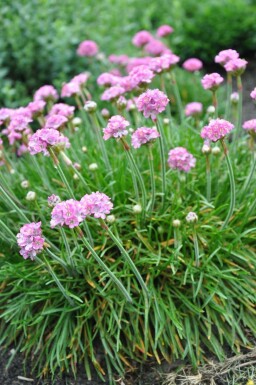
x,y
67,213
5,115
96,204
192,64
37,107
30,240
45,138
22,149
144,135
70,89
234,97
194,108
112,93
127,82
217,129
141,38
141,75
253,94
53,200
155,47
236,66
119,59
151,103
63,110
137,61
179,158
164,30
107,79
80,79
87,48
225,56
116,127
212,81
55,122
250,125
163,63
46,93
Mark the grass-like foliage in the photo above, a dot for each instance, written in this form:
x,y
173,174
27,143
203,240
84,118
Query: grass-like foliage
x,y
147,282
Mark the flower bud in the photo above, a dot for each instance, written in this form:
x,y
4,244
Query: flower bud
x,y
31,196
215,150
53,200
93,167
77,121
90,106
176,223
121,103
77,166
166,121
75,176
12,171
137,209
25,184
191,217
131,130
160,230
110,219
105,113
234,97
84,149
206,149
211,110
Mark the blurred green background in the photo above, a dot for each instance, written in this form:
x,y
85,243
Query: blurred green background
x,y
39,38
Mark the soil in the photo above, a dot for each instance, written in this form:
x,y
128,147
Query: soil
x,y
148,374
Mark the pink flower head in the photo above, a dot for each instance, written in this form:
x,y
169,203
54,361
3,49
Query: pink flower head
x,y
69,213
116,127
151,103
44,138
137,61
163,63
121,60
212,81
225,56
55,122
236,66
112,93
250,125
87,48
96,204
70,89
18,127
253,94
192,65
179,158
23,149
30,240
80,79
144,135
46,93
5,115
164,30
37,107
63,110
141,38
107,79
155,47
53,200
194,108
141,75
217,129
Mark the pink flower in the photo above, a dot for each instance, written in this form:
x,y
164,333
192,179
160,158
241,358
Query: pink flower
x,y
217,129
225,56
46,93
137,61
37,107
69,213
141,75
18,127
5,114
164,30
30,240
87,48
112,93
23,149
163,63
107,79
96,204
80,79
141,38
119,59
212,81
53,200
250,125
194,108
192,65
253,94
236,66
179,158
70,89
155,47
44,138
144,135
63,110
55,122
151,103
116,127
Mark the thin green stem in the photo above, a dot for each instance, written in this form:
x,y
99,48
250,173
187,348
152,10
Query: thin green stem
x,y
152,177
101,141
81,178
239,114
8,231
163,161
57,259
229,92
177,97
13,205
232,185
208,179
106,269
196,247
68,251
249,177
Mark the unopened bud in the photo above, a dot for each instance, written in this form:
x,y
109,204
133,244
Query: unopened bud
x,y
234,97
166,121
211,110
206,149
84,149
110,219
90,106
121,102
105,113
25,184
77,166
176,223
137,209
93,167
191,217
75,176
215,150
31,196
77,121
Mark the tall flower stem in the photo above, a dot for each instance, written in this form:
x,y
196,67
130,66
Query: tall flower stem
x,y
177,96
152,177
215,102
229,92
163,161
208,178
250,176
134,168
11,236
232,185
126,256
104,266
196,247
68,251
13,204
240,110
